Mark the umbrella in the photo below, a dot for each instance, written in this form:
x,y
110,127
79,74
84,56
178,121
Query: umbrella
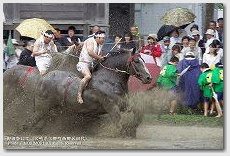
x,y
33,27
165,30
178,17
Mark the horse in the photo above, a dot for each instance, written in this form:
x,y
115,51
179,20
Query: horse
x,y
103,95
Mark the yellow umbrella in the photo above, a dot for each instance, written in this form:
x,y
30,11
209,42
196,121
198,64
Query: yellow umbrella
x,y
33,27
178,17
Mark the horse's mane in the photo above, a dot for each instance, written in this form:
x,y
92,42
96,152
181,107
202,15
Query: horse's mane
x,y
117,58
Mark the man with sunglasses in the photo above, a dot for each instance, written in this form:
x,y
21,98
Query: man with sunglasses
x,y
42,51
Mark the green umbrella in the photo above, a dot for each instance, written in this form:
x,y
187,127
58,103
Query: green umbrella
x,y
10,47
178,17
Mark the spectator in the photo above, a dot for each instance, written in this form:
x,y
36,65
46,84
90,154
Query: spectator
x,y
118,41
176,51
71,36
212,57
128,42
137,38
189,89
194,27
11,58
26,57
205,82
195,49
59,40
18,51
218,85
42,51
185,45
210,37
175,38
95,29
220,29
220,50
167,80
199,41
212,25
153,48
166,51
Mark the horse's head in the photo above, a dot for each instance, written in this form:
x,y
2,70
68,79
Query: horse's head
x,y
128,63
138,69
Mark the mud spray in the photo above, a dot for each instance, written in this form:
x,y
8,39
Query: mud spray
x,y
19,108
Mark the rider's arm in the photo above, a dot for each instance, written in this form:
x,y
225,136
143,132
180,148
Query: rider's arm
x,y
91,52
35,50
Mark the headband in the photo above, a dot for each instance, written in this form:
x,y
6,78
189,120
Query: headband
x,y
48,35
100,35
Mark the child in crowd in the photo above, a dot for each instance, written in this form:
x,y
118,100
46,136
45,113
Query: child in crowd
x,y
205,82
166,51
167,80
218,86
176,51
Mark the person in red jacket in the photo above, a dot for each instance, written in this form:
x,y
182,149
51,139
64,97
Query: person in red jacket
x,y
153,48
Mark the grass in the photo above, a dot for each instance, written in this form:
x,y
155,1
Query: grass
x,y
184,120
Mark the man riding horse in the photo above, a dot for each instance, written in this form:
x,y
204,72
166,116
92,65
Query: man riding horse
x,y
91,50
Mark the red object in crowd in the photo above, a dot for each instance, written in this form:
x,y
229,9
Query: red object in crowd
x,y
135,85
155,50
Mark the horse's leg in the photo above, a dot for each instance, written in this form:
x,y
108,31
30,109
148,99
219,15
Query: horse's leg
x,y
41,103
113,110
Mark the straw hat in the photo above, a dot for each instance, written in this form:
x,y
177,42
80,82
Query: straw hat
x,y
166,38
152,36
210,32
195,32
190,54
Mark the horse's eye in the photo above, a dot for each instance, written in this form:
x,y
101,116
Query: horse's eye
x,y
136,60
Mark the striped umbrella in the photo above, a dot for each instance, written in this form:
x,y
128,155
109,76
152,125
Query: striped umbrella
x,y
33,27
178,17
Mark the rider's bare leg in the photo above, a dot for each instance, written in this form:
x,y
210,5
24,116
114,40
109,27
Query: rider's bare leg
x,y
83,83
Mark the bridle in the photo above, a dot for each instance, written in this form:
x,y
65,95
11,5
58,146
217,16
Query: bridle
x,y
130,63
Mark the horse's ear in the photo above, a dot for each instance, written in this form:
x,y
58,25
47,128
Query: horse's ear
x,y
133,50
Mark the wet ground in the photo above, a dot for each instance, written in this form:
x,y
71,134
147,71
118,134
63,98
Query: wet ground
x,y
148,137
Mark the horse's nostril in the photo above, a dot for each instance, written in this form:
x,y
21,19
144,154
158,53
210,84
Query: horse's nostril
x,y
149,78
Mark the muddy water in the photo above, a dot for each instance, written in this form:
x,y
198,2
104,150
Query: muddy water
x,y
148,137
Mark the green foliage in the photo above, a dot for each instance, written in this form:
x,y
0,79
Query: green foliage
x,y
220,5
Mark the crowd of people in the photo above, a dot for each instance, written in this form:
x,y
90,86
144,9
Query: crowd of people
x,y
192,69
186,59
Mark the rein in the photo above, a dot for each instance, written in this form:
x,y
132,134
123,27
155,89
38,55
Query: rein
x,y
130,62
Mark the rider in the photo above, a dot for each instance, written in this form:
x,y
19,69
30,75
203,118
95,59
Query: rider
x,y
91,50
42,51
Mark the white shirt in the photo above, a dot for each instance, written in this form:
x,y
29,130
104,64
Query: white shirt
x,y
216,35
11,61
211,60
45,47
89,45
209,41
180,56
174,40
